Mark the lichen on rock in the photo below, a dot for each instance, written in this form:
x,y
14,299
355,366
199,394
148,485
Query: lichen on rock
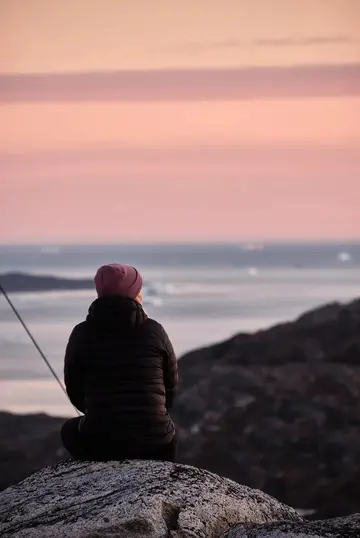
x,y
342,527
131,499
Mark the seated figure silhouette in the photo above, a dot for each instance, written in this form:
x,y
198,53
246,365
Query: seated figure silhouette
x,y
121,372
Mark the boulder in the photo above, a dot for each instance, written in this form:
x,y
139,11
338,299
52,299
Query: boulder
x,y
342,527
131,499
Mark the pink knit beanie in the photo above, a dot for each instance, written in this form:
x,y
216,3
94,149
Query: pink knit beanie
x,y
118,279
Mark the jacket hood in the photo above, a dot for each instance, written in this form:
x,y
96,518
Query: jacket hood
x,y
116,311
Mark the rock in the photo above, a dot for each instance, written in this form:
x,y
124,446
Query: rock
x,y
279,410
132,498
28,443
343,527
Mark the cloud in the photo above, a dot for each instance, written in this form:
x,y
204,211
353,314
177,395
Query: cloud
x,y
231,155
184,85
267,42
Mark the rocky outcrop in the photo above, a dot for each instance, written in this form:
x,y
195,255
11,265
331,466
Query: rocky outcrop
x,y
279,410
24,282
131,499
344,527
28,443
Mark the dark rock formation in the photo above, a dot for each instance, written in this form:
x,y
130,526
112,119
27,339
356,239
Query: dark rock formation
x,y
343,527
24,282
279,410
28,443
132,498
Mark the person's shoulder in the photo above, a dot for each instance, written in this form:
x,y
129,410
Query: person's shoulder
x,y
79,330
159,336
80,326
155,328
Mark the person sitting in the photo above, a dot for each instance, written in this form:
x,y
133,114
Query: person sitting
x,y
120,371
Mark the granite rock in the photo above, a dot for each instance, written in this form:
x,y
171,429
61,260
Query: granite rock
x,y
342,527
131,499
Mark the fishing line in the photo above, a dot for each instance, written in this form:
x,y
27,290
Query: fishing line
x,y
42,355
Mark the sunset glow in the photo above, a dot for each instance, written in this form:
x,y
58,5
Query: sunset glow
x,y
280,166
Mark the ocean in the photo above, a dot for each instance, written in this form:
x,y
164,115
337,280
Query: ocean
x,y
201,294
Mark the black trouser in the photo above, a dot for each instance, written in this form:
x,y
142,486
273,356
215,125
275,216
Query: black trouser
x,y
95,447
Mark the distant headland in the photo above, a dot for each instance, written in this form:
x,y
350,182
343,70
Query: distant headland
x,y
17,282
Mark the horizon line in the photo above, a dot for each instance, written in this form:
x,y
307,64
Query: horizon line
x,y
183,242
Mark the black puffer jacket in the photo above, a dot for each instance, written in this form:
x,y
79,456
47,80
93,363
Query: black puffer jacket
x,y
121,372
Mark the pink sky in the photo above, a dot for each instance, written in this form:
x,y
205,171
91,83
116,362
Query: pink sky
x,y
163,155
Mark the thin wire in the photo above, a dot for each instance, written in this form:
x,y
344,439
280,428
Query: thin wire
x,y
13,308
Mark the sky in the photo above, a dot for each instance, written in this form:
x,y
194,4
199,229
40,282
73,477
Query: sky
x,y
156,120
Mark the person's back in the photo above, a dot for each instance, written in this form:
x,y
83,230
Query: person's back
x,y
121,372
